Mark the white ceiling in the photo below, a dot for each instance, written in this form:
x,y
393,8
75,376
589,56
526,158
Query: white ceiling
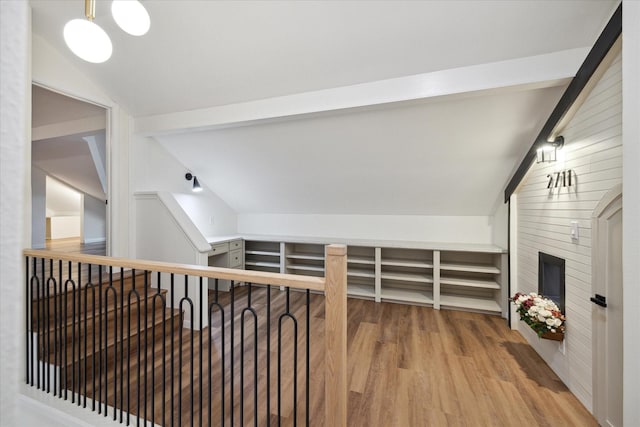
x,y
409,159
446,155
204,53
49,107
69,160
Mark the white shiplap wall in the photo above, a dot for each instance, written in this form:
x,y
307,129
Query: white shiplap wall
x,y
593,150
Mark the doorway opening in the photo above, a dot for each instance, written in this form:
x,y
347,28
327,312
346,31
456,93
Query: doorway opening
x,y
69,175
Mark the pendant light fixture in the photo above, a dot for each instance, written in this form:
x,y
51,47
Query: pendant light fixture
x,y
86,39
90,42
131,16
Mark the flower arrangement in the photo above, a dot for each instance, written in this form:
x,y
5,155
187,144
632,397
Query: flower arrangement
x,y
540,313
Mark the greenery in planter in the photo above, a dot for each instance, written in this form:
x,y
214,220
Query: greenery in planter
x,y
540,313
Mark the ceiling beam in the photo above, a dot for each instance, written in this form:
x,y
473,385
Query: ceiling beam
x,y
572,94
546,70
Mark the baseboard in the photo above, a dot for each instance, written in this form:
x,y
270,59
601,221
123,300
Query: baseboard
x,y
96,240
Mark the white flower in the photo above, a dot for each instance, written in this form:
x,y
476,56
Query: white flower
x,y
553,330
551,321
537,300
522,298
540,317
544,313
557,322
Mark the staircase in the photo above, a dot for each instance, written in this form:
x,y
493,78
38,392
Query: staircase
x,y
108,342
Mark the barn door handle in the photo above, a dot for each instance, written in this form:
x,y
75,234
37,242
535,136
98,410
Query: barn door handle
x,y
600,300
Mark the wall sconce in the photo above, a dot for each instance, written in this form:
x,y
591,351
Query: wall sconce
x,y
196,185
547,152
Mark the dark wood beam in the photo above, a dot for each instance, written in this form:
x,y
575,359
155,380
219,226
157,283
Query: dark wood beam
x,y
600,49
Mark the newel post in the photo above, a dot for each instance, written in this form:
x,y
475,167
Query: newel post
x,y
336,336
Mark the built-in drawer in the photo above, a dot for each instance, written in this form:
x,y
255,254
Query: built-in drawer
x,y
219,248
235,244
235,259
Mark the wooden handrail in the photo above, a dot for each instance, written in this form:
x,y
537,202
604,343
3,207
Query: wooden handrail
x,y
257,277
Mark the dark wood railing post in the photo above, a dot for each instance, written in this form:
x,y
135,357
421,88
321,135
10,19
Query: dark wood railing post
x,y
336,336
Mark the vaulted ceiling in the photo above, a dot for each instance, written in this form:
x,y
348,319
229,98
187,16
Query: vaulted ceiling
x,y
388,107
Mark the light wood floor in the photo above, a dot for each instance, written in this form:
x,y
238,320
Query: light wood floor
x,y
415,366
74,245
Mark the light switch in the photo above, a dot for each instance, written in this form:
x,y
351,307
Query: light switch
x,y
574,231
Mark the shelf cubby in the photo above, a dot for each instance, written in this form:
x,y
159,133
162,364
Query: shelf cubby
x,y
262,256
304,258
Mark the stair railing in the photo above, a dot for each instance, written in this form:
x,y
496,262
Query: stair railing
x,y
109,334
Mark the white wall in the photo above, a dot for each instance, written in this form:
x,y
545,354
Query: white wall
x,y
64,227
38,208
156,170
94,220
631,212
500,225
453,229
593,150
15,211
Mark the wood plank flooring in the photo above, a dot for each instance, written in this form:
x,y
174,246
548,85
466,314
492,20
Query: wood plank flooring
x,y
407,366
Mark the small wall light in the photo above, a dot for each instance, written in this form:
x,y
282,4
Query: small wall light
x,y
547,152
196,185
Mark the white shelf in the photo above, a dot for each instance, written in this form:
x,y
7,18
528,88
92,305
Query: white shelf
x,y
407,263
306,256
305,267
360,260
472,283
266,253
361,273
469,303
262,264
361,290
406,277
396,294
473,268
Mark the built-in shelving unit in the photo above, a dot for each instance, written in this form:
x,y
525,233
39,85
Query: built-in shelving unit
x,y
406,275
471,280
262,256
304,258
465,277
361,271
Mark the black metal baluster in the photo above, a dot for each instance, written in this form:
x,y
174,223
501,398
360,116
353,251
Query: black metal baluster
x,y
217,304
250,310
86,331
232,359
200,353
135,292
38,329
146,339
268,355
28,328
308,329
122,345
115,346
153,347
47,326
173,329
100,352
192,317
66,331
79,289
288,314
164,353
62,346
